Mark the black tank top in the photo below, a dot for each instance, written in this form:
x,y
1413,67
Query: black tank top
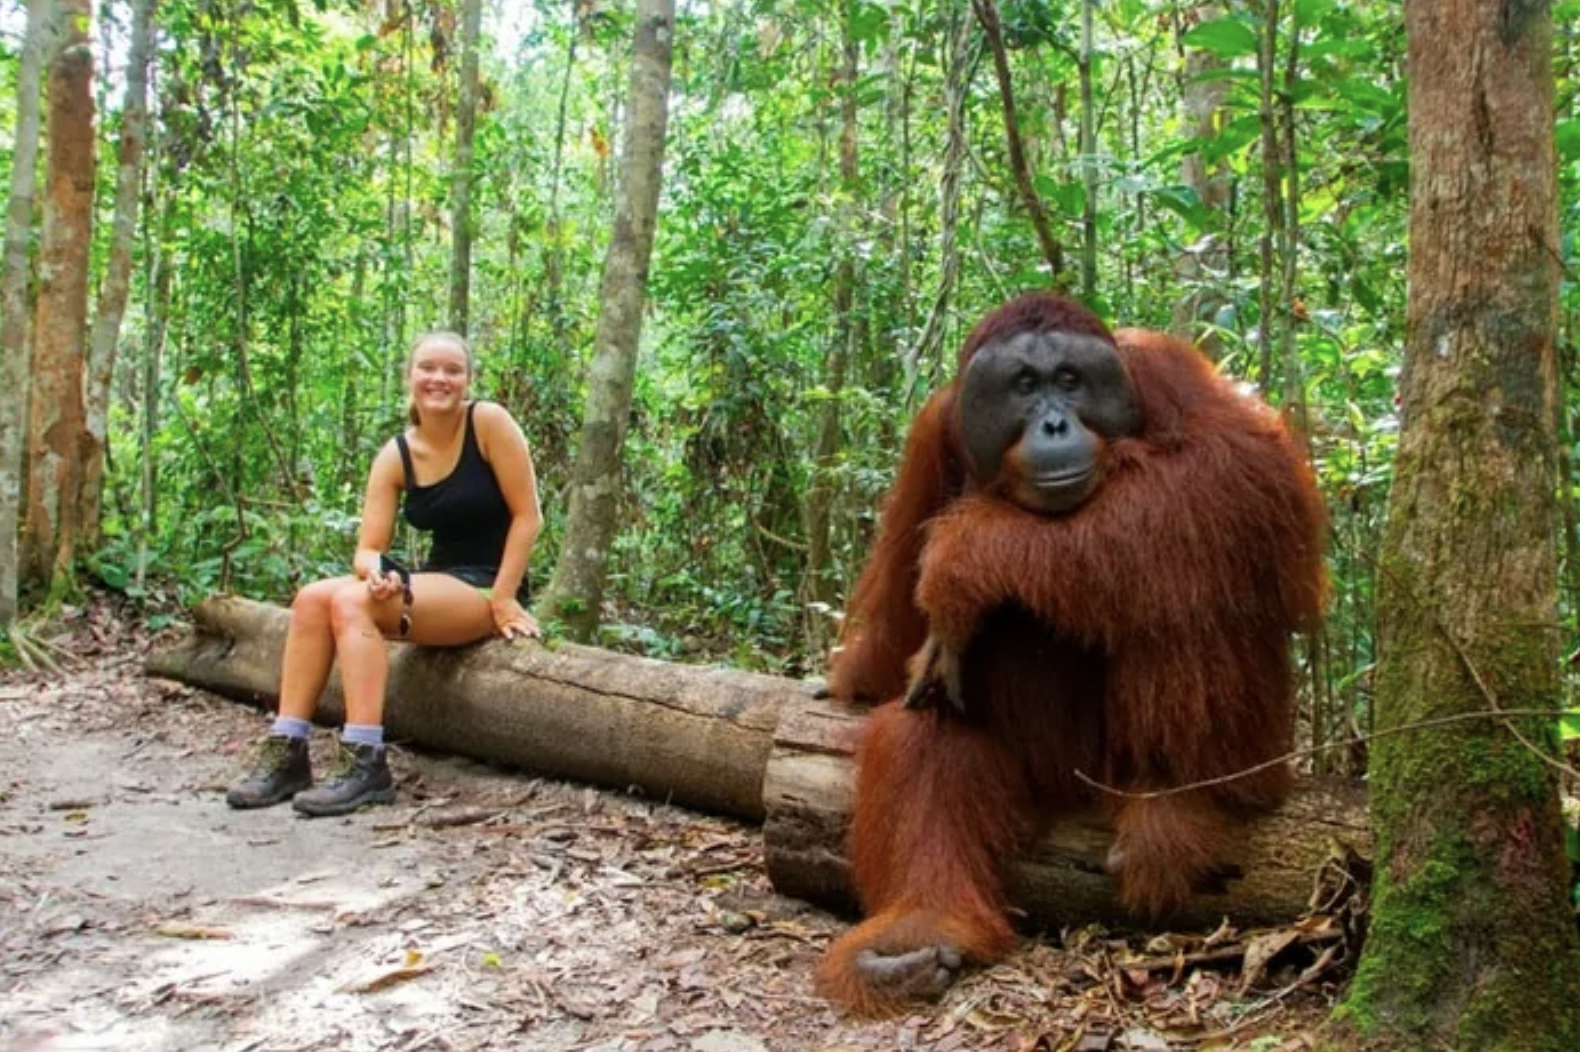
x,y
465,511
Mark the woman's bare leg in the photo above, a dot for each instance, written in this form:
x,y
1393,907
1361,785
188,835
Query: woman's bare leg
x,y
282,767
309,648
445,612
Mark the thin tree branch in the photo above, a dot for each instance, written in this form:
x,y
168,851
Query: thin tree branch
x,y
1501,715
1052,251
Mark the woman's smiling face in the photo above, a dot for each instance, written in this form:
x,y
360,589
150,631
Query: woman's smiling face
x,y
440,374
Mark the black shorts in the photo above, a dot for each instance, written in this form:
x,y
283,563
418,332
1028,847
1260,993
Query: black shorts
x,y
479,577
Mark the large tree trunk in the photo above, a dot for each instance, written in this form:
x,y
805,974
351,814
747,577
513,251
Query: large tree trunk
x,y
461,184
13,300
118,274
575,595
55,408
756,747
1472,943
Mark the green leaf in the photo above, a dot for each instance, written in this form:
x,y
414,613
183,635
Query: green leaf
x,y
1182,201
1368,96
868,22
1069,197
1568,133
1228,37
1343,47
113,575
1569,725
1365,295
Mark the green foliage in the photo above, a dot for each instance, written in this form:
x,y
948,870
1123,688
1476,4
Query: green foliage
x,y
1232,36
300,216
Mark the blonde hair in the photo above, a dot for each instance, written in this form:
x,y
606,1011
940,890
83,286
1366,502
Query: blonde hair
x,y
436,336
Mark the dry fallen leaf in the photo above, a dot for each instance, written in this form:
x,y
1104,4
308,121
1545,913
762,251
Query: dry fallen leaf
x,y
1262,950
385,980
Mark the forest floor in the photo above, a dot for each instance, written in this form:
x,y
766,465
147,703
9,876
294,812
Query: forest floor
x,y
485,910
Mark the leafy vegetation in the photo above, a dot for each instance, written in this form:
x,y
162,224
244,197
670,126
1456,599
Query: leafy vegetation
x,y
295,237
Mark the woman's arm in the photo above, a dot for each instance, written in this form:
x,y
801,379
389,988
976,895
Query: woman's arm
x,y
505,448
378,511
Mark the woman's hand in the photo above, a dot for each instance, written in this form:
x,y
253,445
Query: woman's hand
x,y
384,586
512,621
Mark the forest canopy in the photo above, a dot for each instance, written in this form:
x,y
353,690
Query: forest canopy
x,y
840,198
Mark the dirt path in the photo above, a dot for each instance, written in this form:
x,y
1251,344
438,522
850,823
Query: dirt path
x,y
486,910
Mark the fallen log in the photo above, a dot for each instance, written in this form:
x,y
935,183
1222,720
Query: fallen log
x,y
699,737
1270,876
752,746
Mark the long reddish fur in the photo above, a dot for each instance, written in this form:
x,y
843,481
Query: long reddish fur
x,y
1173,591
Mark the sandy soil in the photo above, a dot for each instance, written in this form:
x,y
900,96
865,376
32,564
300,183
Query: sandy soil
x,y
485,910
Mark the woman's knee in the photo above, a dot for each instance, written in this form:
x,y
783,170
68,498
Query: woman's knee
x,y
311,605
350,606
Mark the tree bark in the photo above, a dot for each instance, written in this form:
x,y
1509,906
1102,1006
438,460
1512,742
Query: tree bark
x,y
118,273
752,746
575,594
13,300
1472,944
461,184
55,409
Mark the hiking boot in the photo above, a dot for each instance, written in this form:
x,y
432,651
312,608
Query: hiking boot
x,y
283,769
361,777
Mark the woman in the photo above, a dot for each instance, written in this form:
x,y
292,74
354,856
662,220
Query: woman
x,y
467,477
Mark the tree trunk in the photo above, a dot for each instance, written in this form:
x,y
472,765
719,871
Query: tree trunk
x,y
461,185
157,323
1088,158
819,587
896,312
1272,195
575,594
13,300
554,224
55,410
1472,944
752,746
118,273
1052,250
928,360
1203,264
